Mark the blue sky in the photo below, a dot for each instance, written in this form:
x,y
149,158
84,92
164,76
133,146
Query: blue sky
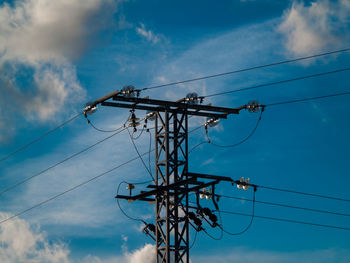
x,y
57,55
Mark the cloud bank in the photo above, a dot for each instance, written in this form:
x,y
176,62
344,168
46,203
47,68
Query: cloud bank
x,y
19,243
39,39
320,25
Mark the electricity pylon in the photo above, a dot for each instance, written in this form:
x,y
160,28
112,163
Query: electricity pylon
x,y
173,182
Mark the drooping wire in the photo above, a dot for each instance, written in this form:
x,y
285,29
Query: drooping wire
x,y
194,240
277,82
250,223
237,143
284,205
121,209
138,136
247,69
138,153
60,162
212,237
40,137
197,145
102,130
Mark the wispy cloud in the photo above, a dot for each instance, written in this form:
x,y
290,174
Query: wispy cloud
x,y
149,35
310,28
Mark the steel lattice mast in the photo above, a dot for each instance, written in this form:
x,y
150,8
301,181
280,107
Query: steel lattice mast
x,y
173,182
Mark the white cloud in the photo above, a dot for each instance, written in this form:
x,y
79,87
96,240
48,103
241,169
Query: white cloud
x,y
311,28
19,243
148,34
145,254
42,30
39,39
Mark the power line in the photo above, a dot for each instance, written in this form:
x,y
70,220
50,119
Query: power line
x,y
39,138
250,223
287,220
284,205
77,186
120,208
247,69
102,130
240,142
138,153
309,99
71,189
59,163
278,82
304,193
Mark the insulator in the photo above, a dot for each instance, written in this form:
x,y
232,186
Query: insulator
x,y
240,184
191,215
88,109
206,211
253,106
211,122
192,98
195,219
151,228
213,218
203,193
197,222
128,91
134,124
150,115
246,186
133,118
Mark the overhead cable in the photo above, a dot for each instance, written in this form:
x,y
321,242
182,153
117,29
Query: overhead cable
x,y
71,189
308,99
237,143
77,186
284,205
250,223
247,69
138,153
287,220
277,82
59,163
39,138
